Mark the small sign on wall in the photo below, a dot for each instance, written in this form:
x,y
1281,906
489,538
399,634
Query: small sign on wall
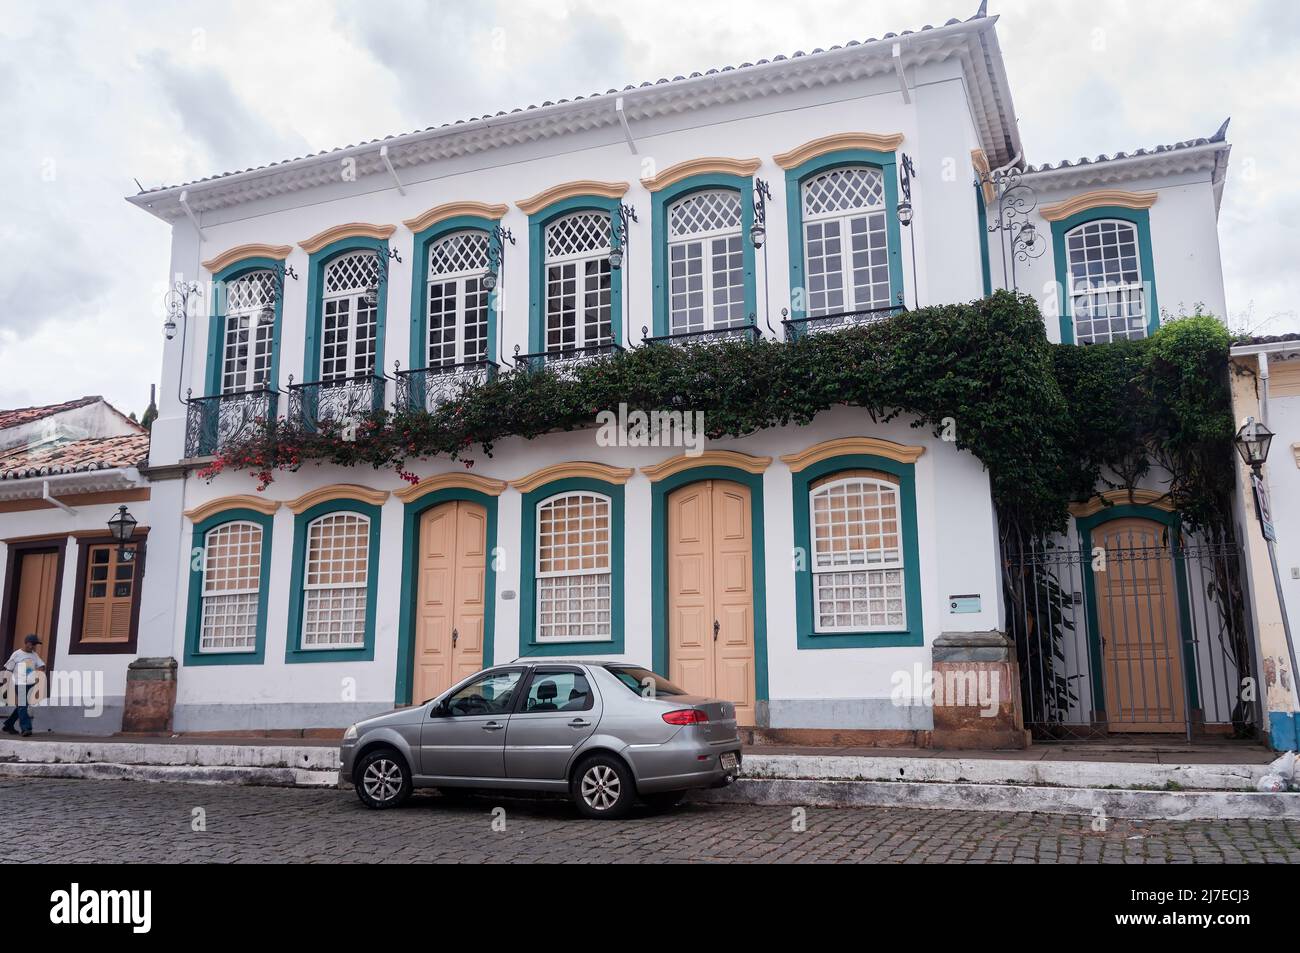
x,y
964,604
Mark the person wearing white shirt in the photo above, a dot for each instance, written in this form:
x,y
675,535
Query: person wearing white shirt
x,y
22,668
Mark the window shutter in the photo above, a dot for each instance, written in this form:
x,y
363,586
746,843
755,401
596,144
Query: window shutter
x,y
109,594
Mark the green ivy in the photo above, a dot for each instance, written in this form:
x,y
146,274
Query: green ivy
x,y
1050,423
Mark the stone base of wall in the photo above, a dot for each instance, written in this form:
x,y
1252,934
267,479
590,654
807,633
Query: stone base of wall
x,y
977,693
150,695
835,738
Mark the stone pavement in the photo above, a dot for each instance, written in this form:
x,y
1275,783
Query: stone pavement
x,y
123,821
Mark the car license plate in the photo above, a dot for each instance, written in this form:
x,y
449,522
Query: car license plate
x,y
729,761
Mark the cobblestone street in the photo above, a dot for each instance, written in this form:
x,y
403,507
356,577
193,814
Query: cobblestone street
x,y
125,821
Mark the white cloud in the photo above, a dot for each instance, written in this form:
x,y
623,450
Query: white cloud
x,y
98,95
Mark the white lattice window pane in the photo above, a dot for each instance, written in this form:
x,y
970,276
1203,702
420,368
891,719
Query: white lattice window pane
x,y
561,306
703,213
870,261
334,581
596,315
574,608
252,292
840,190
249,324
366,331
232,567
442,323
825,268
335,334
686,286
857,556
353,272
1107,298
476,319
859,601
581,233
728,281
573,567
460,253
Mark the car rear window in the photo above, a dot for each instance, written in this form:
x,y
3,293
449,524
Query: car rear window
x,y
643,681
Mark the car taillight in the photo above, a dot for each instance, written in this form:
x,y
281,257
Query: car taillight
x,y
686,716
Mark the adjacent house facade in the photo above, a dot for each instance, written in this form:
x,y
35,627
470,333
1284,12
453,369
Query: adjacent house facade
x,y
794,571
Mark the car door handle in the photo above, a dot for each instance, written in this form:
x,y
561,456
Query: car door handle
x,y
579,723
493,726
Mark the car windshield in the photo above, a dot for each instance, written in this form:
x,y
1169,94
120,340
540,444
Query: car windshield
x,y
643,681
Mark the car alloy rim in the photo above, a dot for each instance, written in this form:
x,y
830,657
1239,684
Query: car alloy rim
x,y
601,787
382,780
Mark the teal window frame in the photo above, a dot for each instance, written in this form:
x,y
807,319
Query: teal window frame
x,y
794,180
419,350
194,609
217,320
1141,219
293,650
807,636
659,204
528,644
659,493
411,513
316,265
537,223
1173,523
982,217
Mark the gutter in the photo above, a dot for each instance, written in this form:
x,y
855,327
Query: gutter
x,y
51,499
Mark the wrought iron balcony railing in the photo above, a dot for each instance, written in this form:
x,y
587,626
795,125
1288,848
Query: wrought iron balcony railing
x,y
213,423
340,402
428,388
796,328
741,332
565,361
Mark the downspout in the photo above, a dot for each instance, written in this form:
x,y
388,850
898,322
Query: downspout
x,y
54,501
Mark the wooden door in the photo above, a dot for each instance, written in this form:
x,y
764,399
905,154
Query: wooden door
x,y
36,600
450,605
1137,615
711,593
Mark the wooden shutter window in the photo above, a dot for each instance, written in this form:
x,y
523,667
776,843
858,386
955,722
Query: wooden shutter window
x,y
110,588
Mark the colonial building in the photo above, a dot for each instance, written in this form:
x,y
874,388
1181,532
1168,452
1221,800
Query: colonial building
x,y
784,197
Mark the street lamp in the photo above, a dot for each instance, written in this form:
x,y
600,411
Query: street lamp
x,y
1252,442
122,526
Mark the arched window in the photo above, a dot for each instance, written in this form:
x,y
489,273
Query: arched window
x,y
846,249
706,269
350,316
573,568
249,332
1106,293
230,593
857,554
578,281
335,577
456,301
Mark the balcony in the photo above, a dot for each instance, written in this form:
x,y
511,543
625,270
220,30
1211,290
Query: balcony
x,y
796,328
566,361
429,388
741,332
337,403
213,423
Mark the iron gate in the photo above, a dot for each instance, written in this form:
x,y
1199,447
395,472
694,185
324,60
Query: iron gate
x,y
1102,650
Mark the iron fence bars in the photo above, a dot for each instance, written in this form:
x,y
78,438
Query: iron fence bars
x,y
315,404
1145,633
213,423
739,332
796,328
428,388
566,361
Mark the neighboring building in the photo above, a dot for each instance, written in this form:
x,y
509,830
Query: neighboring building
x,y
65,470
340,592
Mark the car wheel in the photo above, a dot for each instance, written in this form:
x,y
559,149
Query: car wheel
x,y
603,788
664,800
383,779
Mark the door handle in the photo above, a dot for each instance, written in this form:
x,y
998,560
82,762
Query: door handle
x,y
455,636
716,627
579,723
493,726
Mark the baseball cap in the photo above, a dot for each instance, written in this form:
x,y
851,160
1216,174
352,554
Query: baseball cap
x,y
32,640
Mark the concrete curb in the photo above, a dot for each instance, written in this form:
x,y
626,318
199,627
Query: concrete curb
x,y
1147,805
298,757
187,774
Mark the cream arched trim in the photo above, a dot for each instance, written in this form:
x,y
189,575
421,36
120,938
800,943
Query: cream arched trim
x,y
1081,203
447,481
258,504
980,161
710,458
568,190
836,143
843,446
240,252
337,491
684,170
440,213
1109,498
565,471
351,230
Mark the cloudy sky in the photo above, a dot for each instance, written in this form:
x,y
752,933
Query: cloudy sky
x,y
98,95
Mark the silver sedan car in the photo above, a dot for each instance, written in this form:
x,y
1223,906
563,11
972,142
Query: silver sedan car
x,y
604,733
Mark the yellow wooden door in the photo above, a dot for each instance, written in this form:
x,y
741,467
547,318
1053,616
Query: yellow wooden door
x,y
711,593
450,598
38,588
1137,613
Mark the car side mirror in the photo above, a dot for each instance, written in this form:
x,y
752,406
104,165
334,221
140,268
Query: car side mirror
x,y
438,710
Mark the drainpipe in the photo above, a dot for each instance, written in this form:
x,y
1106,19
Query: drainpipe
x,y
51,499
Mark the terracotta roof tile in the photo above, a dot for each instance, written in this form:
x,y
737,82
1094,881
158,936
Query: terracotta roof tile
x,y
77,456
25,415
